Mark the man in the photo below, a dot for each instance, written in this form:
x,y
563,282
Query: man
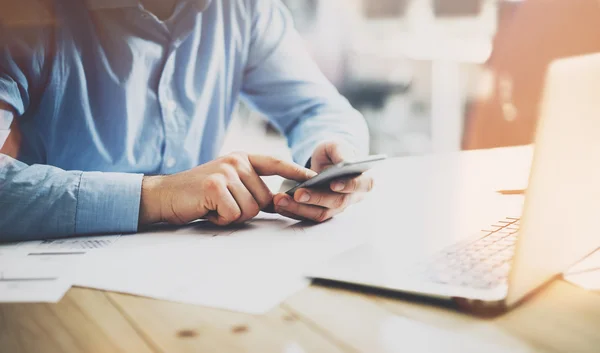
x,y
117,109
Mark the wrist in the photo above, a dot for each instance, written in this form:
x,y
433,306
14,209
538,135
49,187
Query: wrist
x,y
150,202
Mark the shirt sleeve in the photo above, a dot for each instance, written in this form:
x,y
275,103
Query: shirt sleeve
x,y
283,82
41,201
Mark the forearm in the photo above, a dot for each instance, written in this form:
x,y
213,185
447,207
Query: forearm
x,y
283,82
38,202
336,122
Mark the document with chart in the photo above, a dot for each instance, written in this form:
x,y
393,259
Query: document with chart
x,y
249,268
41,271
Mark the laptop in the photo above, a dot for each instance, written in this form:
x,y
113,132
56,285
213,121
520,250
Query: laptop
x,y
516,255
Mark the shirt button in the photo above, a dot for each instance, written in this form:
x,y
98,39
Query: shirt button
x,y
171,162
171,105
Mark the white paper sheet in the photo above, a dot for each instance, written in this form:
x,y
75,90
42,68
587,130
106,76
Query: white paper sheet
x,y
250,268
62,246
33,278
586,280
586,273
18,290
590,263
41,271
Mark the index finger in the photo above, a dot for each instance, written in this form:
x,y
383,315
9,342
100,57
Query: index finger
x,y
267,165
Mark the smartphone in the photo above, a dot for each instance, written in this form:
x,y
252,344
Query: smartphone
x,y
343,170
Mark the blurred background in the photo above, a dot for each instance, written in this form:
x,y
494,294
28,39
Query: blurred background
x,y
438,75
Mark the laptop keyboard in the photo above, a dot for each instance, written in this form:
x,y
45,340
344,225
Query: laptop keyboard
x,y
483,263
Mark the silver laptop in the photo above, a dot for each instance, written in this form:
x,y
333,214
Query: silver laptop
x,y
517,255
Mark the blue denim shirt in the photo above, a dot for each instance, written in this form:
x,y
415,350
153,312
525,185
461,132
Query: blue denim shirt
x,y
105,92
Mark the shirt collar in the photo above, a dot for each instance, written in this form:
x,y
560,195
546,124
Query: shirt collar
x,y
118,4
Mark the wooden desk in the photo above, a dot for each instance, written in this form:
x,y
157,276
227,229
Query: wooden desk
x,y
561,318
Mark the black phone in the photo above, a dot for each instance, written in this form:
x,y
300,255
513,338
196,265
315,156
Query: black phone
x,y
343,170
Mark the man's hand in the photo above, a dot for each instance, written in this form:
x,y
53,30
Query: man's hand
x,y
224,191
321,205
